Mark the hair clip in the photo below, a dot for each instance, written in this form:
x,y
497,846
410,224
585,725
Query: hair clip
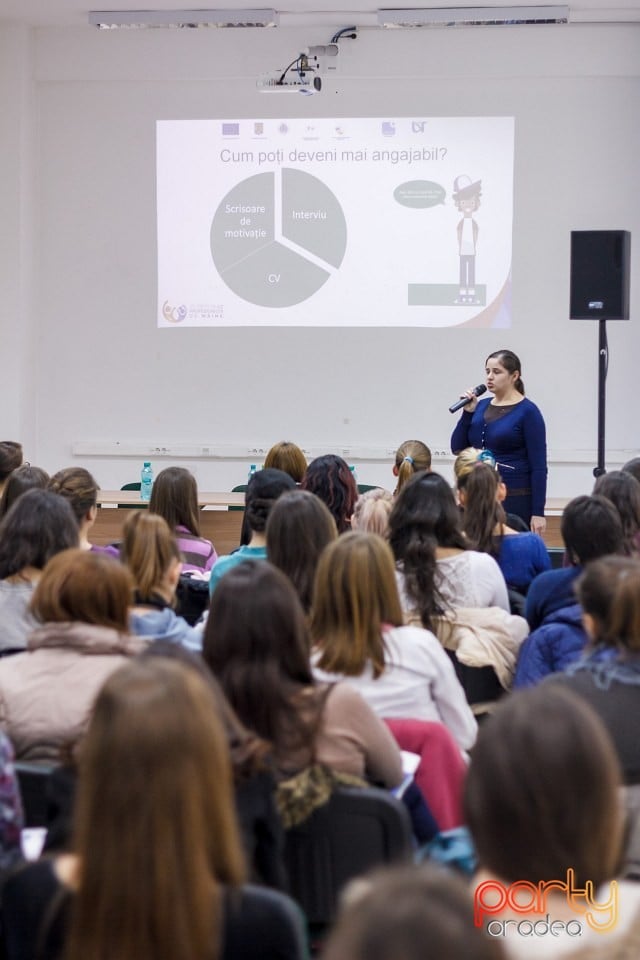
x,y
408,460
485,456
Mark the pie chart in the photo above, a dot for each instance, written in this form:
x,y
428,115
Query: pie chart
x,y
277,237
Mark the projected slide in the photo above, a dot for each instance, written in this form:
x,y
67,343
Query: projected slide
x,y
275,237
335,222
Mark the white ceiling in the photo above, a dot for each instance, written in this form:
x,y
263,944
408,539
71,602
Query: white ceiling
x,y
293,12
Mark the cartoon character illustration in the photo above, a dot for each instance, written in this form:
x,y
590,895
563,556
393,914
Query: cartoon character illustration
x,y
466,196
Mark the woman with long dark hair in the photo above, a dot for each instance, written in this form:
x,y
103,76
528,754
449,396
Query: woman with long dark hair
x,y
437,570
256,643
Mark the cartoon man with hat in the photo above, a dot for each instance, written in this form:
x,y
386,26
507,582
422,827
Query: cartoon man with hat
x,y
466,196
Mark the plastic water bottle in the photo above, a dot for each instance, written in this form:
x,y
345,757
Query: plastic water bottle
x,y
146,481
253,469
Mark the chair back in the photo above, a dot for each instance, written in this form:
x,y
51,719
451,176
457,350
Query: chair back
x,y
359,828
33,780
134,485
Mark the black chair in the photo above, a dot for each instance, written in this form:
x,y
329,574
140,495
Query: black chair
x,y
480,684
33,780
359,828
364,487
135,485
192,598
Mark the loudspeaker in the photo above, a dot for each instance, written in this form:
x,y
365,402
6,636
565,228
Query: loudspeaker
x,y
600,274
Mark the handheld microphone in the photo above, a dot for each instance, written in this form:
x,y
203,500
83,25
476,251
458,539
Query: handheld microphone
x,y
459,404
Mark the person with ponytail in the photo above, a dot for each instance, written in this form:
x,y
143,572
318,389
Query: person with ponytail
x,y
513,429
157,868
520,556
411,457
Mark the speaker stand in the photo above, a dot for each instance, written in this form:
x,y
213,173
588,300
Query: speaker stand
x,y
603,366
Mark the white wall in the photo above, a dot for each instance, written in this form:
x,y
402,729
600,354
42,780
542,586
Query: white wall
x,y
102,373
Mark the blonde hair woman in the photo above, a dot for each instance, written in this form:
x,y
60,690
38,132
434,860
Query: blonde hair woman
x,y
371,512
358,635
157,868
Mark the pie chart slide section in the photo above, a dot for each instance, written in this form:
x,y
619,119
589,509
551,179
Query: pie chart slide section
x,y
311,241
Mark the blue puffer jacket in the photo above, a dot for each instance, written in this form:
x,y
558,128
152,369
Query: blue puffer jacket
x,y
557,642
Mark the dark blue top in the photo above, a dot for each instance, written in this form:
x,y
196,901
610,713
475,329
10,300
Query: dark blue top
x,y
518,442
549,592
522,557
551,647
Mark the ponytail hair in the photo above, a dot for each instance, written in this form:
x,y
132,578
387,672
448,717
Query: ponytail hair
x,y
482,512
511,362
412,456
148,548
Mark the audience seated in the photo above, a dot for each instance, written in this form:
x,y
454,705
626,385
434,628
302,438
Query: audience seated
x,y
358,635
38,525
330,478
623,490
371,512
157,868
174,497
608,673
46,693
10,459
78,487
409,913
151,553
263,490
437,570
520,556
287,457
23,478
298,529
412,456
542,804
256,643
591,528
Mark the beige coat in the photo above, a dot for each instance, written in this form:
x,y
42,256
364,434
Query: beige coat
x,y
47,692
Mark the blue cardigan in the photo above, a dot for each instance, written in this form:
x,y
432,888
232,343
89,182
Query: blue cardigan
x,y
518,442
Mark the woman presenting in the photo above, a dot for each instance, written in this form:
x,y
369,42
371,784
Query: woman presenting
x,y
511,427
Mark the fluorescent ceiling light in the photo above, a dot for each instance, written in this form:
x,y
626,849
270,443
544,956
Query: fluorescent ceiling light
x,y
133,19
471,16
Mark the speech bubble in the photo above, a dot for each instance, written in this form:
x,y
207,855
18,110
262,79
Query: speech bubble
x,y
420,194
